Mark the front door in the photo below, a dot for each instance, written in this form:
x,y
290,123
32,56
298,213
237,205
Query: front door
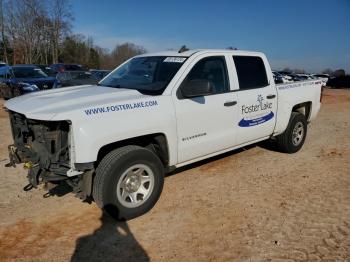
x,y
205,124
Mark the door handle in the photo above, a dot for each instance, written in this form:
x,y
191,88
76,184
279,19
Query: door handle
x,y
230,103
270,96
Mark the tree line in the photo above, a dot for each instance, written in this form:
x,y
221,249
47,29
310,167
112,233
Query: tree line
x,y
328,71
40,32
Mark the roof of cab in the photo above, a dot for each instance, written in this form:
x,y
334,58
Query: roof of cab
x,y
193,51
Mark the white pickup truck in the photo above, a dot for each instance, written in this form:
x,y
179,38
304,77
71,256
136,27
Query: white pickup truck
x,y
115,141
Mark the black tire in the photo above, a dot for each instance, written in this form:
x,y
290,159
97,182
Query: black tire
x,y
111,169
285,141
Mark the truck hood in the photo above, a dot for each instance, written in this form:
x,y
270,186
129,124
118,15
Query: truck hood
x,y
45,105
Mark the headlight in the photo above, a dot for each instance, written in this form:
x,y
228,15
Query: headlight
x,y
29,87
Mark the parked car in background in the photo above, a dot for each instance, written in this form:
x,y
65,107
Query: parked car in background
x,y
66,67
339,82
280,78
2,63
297,77
277,77
321,75
292,77
324,77
304,77
47,70
99,74
286,76
76,78
21,79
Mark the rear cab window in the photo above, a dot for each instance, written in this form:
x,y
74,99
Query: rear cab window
x,y
251,72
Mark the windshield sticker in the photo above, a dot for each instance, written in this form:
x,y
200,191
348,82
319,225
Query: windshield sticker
x,y
248,121
121,107
174,59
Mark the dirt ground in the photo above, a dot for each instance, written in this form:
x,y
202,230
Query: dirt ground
x,y
250,205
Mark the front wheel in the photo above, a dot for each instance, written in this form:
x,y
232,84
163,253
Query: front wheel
x,y
128,182
294,136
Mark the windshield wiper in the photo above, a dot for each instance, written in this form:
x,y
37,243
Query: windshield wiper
x,y
116,86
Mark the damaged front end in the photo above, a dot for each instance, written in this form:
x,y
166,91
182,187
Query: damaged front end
x,y
44,148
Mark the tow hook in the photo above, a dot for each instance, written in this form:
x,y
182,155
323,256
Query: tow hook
x,y
33,175
28,165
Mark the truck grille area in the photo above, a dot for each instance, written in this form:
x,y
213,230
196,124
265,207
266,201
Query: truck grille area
x,y
43,143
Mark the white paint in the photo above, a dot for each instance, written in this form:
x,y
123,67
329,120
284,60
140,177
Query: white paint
x,y
214,127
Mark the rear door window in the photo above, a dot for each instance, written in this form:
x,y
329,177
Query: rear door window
x,y
251,72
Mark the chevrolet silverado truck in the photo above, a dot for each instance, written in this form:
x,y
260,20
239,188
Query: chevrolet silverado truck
x,y
114,141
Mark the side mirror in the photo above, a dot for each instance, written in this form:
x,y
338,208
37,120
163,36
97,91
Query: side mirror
x,y
196,88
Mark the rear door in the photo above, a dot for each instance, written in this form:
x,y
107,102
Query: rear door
x,y
257,98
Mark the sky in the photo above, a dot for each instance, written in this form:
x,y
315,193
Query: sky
x,y
311,35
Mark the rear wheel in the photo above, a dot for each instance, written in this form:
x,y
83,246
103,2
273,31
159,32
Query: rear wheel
x,y
128,182
294,136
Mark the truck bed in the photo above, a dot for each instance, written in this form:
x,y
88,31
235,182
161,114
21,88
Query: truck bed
x,y
296,93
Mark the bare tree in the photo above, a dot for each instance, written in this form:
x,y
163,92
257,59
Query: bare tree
x,y
24,28
36,29
339,72
2,24
105,59
39,32
12,29
45,39
61,17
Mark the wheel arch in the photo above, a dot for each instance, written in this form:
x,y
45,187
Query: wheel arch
x,y
156,142
303,108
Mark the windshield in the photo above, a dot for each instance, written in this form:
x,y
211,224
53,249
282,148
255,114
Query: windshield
x,y
28,72
149,75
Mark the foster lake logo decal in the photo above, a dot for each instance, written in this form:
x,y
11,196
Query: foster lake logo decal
x,y
255,121
254,108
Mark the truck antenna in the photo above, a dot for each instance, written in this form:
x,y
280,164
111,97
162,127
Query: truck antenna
x,y
183,49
